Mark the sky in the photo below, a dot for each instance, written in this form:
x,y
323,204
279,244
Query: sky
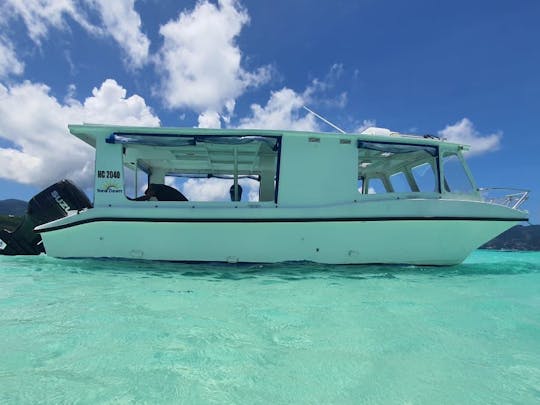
x,y
468,71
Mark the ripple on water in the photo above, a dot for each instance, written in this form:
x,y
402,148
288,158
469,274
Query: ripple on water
x,y
138,331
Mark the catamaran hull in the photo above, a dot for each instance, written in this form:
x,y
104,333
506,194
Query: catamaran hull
x,y
445,241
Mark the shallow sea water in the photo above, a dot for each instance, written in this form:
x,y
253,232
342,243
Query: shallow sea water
x,y
106,331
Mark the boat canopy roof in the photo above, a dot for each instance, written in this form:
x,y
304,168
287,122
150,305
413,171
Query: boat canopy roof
x,y
169,136
201,154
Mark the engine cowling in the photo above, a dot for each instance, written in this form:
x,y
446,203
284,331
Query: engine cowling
x,y
48,205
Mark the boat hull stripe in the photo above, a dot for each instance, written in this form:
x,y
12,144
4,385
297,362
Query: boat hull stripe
x,y
277,220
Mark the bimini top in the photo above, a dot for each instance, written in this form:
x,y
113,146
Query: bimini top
x,y
170,136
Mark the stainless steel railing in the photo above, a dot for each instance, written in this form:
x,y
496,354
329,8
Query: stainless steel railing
x,y
509,197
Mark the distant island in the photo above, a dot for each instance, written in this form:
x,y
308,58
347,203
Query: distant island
x,y
11,213
13,207
519,237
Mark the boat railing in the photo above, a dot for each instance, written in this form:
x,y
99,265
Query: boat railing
x,y
509,197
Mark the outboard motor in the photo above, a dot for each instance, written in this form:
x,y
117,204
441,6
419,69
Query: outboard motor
x,y
52,203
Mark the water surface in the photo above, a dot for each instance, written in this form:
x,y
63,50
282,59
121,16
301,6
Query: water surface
x,y
105,331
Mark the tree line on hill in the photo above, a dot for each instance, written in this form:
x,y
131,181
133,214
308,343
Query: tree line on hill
x,y
13,207
11,213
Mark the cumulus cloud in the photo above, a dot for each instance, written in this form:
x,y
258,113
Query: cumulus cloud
x,y
41,15
320,91
214,189
200,60
9,63
43,151
284,108
464,132
118,19
109,104
209,119
123,23
206,189
282,111
250,188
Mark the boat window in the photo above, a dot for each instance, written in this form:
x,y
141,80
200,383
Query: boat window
x,y
424,176
360,185
135,181
201,168
397,168
400,183
215,188
456,179
376,186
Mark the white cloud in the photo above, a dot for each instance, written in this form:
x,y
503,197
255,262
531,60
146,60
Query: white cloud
x,y
123,23
284,108
282,111
109,104
209,119
251,187
320,91
118,20
9,63
215,189
43,151
200,60
207,189
41,15
464,132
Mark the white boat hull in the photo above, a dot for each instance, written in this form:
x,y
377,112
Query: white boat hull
x,y
421,242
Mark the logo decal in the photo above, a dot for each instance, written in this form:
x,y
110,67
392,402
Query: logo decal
x,y
60,201
110,187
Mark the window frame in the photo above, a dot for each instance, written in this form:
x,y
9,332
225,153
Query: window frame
x,y
278,147
436,166
466,170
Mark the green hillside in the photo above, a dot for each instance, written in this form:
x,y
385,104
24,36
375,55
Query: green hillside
x,y
517,238
13,207
9,223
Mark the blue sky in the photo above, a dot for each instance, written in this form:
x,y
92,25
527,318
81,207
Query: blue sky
x,y
465,70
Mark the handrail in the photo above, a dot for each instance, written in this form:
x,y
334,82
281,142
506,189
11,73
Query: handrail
x,y
513,200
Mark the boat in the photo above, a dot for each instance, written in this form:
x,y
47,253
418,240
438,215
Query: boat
x,y
372,197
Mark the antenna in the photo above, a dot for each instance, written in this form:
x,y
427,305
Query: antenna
x,y
324,119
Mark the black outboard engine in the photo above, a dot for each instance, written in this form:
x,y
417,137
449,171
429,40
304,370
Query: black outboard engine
x,y
52,203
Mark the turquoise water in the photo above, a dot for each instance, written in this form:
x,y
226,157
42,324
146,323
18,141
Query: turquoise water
x,y
99,331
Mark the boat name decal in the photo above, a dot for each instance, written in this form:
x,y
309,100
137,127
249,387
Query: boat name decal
x,y
60,201
108,174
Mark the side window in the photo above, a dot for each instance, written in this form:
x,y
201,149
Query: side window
x,y
425,177
201,168
215,188
392,167
456,179
400,183
135,181
376,186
